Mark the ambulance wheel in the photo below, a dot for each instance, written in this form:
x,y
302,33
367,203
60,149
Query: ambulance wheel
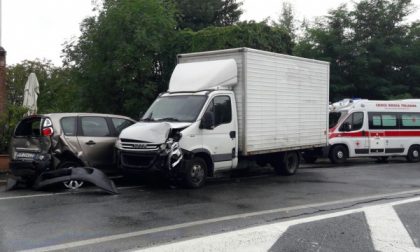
x,y
71,184
287,164
195,173
413,155
338,154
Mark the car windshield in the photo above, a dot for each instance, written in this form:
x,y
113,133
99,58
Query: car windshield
x,y
335,117
179,108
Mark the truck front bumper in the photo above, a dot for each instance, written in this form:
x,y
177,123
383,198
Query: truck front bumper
x,y
141,162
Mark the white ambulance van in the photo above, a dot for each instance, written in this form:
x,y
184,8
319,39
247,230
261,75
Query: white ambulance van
x,y
378,129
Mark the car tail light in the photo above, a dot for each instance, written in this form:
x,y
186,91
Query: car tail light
x,y
47,129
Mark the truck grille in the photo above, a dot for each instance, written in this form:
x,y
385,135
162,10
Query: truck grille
x,y
138,161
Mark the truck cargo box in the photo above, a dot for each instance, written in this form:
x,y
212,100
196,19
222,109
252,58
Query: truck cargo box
x,y
282,100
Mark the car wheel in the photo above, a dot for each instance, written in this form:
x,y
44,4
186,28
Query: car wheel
x,y
287,164
195,173
71,184
413,155
338,154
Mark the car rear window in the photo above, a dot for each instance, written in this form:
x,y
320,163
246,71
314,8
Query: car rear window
x,y
29,127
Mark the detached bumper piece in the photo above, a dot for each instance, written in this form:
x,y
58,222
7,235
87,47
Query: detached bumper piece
x,y
86,174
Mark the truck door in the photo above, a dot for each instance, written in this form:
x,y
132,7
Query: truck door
x,y
221,140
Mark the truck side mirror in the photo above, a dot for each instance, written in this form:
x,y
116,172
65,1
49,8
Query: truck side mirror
x,y
207,121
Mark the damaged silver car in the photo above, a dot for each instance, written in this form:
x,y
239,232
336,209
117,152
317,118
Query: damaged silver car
x,y
64,148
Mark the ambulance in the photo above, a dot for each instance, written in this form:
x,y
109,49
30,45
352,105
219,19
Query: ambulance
x,y
377,129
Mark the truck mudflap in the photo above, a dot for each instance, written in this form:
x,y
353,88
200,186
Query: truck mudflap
x,y
86,174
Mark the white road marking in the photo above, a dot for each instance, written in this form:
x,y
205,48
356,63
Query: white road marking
x,y
62,193
34,195
109,238
387,231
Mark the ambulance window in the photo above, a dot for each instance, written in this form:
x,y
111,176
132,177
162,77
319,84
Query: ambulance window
x,y
383,121
389,120
354,122
376,121
357,121
410,121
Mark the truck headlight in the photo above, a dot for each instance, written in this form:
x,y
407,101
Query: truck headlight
x,y
163,146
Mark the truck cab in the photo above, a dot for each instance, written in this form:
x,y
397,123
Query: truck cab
x,y
194,128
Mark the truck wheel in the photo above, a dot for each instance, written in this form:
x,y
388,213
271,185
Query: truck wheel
x,y
413,155
195,173
71,184
287,164
338,154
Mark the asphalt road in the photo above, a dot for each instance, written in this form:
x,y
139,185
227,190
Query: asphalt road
x,y
147,214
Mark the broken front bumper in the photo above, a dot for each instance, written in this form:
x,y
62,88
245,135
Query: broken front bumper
x,y
165,160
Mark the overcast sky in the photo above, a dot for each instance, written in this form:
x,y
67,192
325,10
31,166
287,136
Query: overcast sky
x,y
38,28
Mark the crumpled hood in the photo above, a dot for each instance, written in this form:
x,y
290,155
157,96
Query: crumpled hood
x,y
152,132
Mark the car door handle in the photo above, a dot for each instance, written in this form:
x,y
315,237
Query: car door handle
x,y
90,143
232,134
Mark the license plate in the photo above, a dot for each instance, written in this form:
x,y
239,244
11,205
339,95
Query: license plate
x,y
25,155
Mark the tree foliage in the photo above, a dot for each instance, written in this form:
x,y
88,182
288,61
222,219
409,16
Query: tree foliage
x,y
372,51
57,90
118,55
197,15
126,55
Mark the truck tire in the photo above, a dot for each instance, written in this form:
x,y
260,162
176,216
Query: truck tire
x,y
195,173
338,154
413,155
287,164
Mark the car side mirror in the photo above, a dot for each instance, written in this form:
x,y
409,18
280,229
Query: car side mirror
x,y
207,121
346,127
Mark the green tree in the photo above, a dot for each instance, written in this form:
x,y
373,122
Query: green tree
x,y
58,93
197,15
371,50
117,59
287,20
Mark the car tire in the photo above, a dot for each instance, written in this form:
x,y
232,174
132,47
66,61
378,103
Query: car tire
x,y
71,184
413,155
195,173
338,154
287,164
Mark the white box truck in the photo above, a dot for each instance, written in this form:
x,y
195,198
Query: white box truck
x,y
226,109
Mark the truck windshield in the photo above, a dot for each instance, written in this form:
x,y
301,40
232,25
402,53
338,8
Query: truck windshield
x,y
335,117
179,108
